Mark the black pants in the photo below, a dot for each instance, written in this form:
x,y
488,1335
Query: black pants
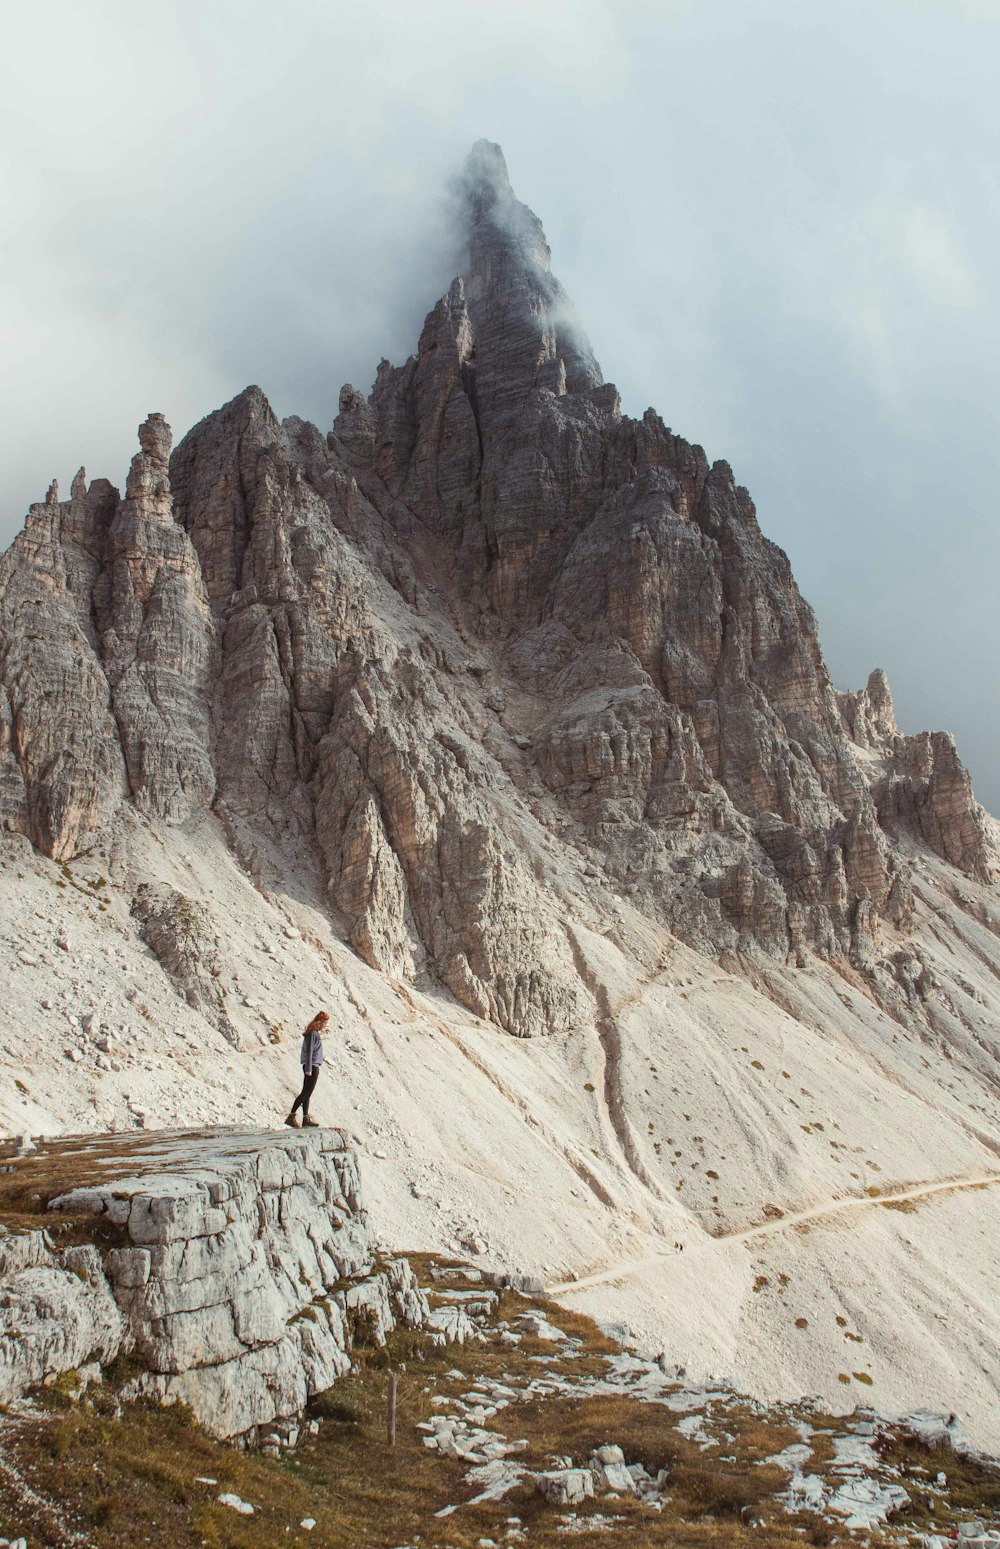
x,y
308,1087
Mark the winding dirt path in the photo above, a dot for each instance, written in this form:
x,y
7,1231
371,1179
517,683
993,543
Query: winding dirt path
x,y
779,1224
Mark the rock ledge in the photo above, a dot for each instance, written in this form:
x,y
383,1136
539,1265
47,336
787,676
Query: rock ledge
x,y
243,1270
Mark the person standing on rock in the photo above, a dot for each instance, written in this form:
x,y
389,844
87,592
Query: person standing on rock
x,y
311,1057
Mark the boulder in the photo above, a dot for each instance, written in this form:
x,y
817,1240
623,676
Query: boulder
x,y
565,1486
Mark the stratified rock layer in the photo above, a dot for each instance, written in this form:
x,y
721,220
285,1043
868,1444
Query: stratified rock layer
x,y
245,1258
484,608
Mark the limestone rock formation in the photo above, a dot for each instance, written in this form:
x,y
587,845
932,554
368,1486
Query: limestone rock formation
x,y
157,640
244,1261
923,786
485,608
57,1311
179,933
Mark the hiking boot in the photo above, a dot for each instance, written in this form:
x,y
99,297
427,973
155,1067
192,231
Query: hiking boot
x,y
308,1123
292,1121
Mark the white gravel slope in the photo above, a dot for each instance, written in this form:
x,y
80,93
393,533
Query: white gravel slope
x,y
636,1153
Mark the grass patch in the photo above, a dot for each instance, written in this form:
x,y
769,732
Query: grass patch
x,y
28,1183
973,1487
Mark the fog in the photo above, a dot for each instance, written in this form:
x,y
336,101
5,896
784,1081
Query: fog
x,y
778,219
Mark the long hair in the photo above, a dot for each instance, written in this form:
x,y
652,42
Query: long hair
x,y
319,1020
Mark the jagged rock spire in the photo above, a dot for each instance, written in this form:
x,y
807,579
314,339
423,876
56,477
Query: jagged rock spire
x,y
492,208
148,477
527,332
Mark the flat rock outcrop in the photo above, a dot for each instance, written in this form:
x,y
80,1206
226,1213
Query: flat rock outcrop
x,y
483,609
240,1269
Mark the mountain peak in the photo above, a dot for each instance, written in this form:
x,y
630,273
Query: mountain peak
x,y
495,706
500,227
526,327
486,169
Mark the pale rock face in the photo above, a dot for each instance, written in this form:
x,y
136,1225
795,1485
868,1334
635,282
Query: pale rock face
x,y
157,640
923,788
484,609
179,933
57,1311
62,772
229,1287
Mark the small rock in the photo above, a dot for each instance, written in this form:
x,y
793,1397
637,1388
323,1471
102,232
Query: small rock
x,y
243,1507
308,1523
566,1486
23,1145
615,1476
537,1324
293,933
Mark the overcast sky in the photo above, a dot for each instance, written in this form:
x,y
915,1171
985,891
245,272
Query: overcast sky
x,y
779,219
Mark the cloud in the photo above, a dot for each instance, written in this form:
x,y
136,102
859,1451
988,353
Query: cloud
x,y
776,218
934,254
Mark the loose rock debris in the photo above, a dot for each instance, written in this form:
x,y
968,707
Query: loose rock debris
x,y
857,1489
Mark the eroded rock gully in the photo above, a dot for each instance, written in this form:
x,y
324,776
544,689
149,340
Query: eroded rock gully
x,y
485,608
240,1261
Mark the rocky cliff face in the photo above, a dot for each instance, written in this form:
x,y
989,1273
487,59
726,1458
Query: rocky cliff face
x,y
486,608
242,1263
